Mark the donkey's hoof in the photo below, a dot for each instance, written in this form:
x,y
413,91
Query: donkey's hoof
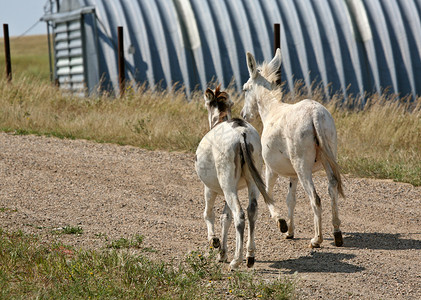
x,y
289,236
250,261
282,225
215,243
338,238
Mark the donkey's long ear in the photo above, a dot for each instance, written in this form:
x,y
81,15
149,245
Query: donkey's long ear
x,y
251,65
209,96
229,102
275,63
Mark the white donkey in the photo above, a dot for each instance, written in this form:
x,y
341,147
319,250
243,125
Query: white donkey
x,y
228,159
297,140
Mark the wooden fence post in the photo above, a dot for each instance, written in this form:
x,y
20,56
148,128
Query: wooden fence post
x,y
7,52
121,69
276,37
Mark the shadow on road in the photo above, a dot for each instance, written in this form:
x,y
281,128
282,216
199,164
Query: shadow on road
x,y
318,262
380,241
328,262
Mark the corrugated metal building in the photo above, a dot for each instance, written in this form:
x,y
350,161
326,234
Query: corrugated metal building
x,y
352,46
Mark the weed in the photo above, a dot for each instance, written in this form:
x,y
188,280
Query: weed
x,y
134,242
101,235
204,266
68,230
245,285
5,209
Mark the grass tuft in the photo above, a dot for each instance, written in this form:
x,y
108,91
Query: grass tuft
x,y
68,230
134,242
245,285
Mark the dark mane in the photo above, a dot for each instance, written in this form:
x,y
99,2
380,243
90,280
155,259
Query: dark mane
x,y
237,122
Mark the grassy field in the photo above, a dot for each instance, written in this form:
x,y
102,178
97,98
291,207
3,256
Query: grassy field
x,y
29,57
383,140
30,269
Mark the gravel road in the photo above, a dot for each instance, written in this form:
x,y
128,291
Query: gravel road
x,y
116,191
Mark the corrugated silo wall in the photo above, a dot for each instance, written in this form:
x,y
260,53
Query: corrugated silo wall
x,y
351,46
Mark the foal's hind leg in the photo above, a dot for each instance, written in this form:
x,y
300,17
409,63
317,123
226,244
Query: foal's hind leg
x,y
252,217
209,217
231,198
226,220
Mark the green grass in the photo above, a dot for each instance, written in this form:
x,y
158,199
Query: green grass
x,y
32,269
69,230
5,209
244,285
134,242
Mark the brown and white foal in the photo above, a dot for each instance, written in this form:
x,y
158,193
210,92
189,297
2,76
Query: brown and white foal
x,y
229,158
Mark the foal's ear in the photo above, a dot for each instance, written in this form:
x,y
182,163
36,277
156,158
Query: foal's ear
x,y
209,96
225,98
251,65
275,63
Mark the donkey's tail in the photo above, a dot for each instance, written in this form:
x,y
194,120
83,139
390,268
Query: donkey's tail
x,y
328,156
253,170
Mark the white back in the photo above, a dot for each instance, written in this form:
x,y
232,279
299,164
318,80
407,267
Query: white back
x,y
297,140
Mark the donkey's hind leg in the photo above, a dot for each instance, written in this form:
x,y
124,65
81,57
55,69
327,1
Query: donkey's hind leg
x,y
333,193
291,201
306,179
275,213
226,220
252,217
209,217
316,204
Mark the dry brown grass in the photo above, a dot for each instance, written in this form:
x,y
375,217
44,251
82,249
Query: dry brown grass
x,y
144,118
29,56
383,140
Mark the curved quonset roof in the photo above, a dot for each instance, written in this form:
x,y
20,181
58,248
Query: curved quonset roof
x,y
353,46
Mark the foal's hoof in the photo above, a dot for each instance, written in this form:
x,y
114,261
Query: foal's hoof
x,y
314,245
338,238
250,262
235,264
289,236
223,257
282,225
215,243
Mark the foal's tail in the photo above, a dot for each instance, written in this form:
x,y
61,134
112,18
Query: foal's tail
x,y
253,170
328,156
